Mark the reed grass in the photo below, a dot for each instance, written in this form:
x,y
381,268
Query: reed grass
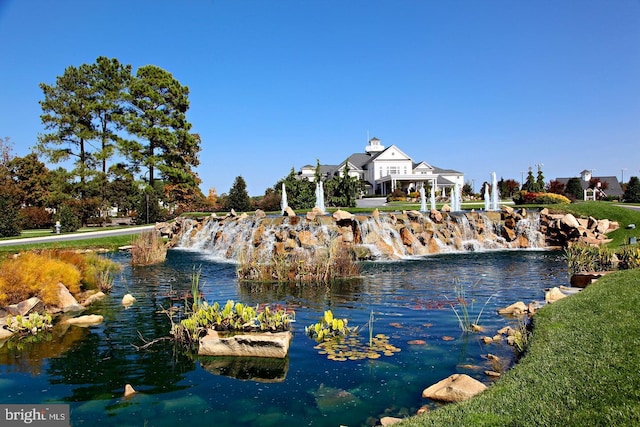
x,y
318,266
148,248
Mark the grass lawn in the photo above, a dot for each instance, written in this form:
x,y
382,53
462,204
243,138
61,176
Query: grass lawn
x,y
582,367
108,243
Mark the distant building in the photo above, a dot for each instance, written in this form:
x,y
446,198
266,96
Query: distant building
x,y
385,169
609,186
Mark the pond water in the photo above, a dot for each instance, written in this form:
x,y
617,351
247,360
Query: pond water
x,y
88,368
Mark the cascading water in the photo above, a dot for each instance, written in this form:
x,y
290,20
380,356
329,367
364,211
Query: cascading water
x,y
381,237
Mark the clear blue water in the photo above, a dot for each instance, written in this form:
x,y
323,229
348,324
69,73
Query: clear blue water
x,y
88,368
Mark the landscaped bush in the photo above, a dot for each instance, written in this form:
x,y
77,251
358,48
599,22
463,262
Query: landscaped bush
x,y
96,271
528,198
397,196
68,218
33,217
583,257
32,274
38,274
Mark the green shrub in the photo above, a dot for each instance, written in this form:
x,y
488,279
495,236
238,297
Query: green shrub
x,y
68,218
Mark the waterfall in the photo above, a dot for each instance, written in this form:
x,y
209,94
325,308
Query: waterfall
x,y
380,237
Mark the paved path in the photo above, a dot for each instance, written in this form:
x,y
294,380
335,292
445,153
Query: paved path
x,y
371,202
76,236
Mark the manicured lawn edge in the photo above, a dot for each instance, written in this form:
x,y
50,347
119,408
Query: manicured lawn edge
x,y
582,366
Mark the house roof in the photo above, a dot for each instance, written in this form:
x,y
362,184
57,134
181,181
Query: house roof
x,y
613,185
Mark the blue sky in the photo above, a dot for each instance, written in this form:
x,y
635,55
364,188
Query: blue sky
x,y
475,86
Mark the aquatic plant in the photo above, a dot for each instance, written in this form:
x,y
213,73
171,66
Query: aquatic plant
x,y
232,317
195,288
340,342
462,301
31,324
329,327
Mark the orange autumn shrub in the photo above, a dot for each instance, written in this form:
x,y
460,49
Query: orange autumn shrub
x,y
32,274
94,269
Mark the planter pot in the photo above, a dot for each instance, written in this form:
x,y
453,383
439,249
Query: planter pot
x,y
584,279
250,344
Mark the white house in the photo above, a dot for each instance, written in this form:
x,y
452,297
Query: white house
x,y
382,170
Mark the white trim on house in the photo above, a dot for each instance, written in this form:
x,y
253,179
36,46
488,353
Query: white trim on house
x,y
385,169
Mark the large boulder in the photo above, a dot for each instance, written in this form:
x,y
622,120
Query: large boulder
x,y
554,294
66,301
341,215
23,308
456,388
516,309
249,344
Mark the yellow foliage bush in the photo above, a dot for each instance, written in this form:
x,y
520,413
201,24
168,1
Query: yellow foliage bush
x,y
93,268
32,274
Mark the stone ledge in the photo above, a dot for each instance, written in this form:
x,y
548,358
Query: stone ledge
x,y
258,344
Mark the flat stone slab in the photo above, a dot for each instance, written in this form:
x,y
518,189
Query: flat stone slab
x,y
265,344
88,320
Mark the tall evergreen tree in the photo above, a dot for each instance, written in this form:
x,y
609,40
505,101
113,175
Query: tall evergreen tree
x,y
238,198
632,192
301,193
67,115
530,183
157,117
108,80
540,186
574,189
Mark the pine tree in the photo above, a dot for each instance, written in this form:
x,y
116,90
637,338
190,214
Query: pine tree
x,y
574,189
632,192
530,183
238,198
540,186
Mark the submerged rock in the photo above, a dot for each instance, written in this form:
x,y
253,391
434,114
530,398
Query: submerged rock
x,y
88,320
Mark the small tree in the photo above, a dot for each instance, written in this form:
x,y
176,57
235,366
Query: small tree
x,y
574,189
68,217
530,184
540,180
238,198
467,189
632,192
555,186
